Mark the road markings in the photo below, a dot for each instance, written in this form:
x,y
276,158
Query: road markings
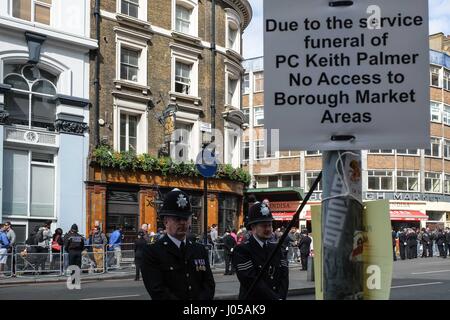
x,y
416,285
115,297
439,271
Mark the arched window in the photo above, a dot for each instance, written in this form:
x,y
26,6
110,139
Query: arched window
x,y
32,99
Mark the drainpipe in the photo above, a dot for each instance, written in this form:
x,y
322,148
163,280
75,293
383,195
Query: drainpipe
x,y
97,75
213,66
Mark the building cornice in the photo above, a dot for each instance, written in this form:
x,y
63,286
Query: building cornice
x,y
244,9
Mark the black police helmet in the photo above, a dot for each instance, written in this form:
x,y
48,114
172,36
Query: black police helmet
x,y
259,212
176,203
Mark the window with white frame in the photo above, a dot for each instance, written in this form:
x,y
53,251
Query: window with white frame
x,y
273,181
33,10
31,100
261,182
233,31
129,64
446,183
183,19
435,112
128,132
258,80
185,16
434,76
310,178
131,58
446,79
232,152
435,148
232,77
246,84
446,115
183,141
29,184
407,181
258,113
384,151
259,149
432,182
446,147
246,150
183,77
412,152
380,180
291,180
130,8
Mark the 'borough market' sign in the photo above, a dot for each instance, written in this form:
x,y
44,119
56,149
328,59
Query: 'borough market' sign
x,y
356,73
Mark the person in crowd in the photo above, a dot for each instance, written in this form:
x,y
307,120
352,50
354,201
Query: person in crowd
x,y
440,242
4,245
174,268
144,228
228,245
305,249
57,245
44,238
12,244
98,241
293,245
394,242
115,243
447,241
74,245
425,243
430,245
253,253
139,248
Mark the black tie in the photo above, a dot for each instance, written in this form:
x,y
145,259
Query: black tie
x,y
183,249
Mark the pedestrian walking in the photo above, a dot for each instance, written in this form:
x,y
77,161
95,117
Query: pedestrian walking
x,y
74,245
115,243
4,245
98,241
305,249
174,268
139,248
56,247
250,257
228,245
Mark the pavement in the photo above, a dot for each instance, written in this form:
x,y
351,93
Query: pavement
x,y
227,287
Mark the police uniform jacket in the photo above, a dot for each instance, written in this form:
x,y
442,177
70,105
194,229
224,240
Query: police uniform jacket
x,y
425,238
402,238
169,276
248,259
305,245
440,238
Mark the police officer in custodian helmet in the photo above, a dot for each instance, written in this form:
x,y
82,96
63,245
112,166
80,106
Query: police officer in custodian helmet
x,y
250,256
175,268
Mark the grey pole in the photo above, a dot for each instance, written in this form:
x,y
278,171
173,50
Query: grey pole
x,y
342,226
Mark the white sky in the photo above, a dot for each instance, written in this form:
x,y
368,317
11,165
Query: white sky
x,y
253,35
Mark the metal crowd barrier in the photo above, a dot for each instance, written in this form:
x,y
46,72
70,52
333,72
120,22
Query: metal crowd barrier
x,y
37,260
92,259
121,258
6,259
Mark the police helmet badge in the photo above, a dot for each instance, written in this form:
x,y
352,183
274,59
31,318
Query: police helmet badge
x,y
182,201
264,210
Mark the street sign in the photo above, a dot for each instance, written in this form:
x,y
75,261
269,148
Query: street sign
x,y
347,77
206,163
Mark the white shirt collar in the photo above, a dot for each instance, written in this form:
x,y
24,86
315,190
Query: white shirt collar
x,y
176,241
261,242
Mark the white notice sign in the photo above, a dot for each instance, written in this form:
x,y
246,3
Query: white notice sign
x,y
358,70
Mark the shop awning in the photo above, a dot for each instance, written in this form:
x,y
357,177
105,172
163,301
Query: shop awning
x,y
408,215
283,216
396,215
